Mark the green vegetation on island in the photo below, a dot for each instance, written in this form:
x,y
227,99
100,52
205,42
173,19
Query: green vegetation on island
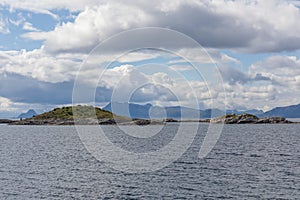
x,y
80,114
76,112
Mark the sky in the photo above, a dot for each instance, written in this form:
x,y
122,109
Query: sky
x,y
248,54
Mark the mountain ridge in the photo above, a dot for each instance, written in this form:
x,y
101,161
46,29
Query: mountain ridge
x,y
30,113
149,111
292,111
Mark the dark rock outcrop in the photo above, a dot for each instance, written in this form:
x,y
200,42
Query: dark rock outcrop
x,y
170,120
107,122
273,120
142,122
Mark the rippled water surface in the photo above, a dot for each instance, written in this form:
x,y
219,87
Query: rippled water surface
x,y
248,162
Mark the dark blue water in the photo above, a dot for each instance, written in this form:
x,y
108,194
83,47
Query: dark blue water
x,y
248,162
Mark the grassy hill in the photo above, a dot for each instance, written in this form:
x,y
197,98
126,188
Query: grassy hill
x,y
81,115
76,112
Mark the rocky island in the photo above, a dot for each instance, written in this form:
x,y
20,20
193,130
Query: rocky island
x,y
81,115
248,119
85,115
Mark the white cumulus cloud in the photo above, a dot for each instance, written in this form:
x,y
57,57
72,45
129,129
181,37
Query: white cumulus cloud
x,y
252,26
39,65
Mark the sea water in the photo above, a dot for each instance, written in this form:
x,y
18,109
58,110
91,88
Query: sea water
x,y
247,162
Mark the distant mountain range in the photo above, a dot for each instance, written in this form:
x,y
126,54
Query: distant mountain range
x,y
30,113
148,111
287,112
176,112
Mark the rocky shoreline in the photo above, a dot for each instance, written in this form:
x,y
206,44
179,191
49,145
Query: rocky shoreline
x,y
5,121
89,121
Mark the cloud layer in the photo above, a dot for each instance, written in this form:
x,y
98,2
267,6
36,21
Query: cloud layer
x,y
268,83
254,26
